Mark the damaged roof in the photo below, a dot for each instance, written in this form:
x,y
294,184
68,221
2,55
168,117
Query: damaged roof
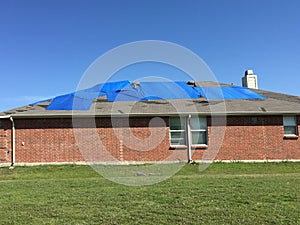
x,y
272,104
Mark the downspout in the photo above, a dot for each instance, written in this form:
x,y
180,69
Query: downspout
x,y
13,156
189,139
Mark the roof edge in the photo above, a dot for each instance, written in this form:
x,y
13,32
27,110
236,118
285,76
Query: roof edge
x,y
152,114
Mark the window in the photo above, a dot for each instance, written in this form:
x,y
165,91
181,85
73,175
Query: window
x,y
198,131
253,120
290,125
177,131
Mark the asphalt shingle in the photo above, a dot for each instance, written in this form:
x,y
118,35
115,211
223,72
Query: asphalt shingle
x,y
275,103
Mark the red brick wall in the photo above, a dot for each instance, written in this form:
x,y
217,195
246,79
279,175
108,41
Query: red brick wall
x,y
53,140
5,144
45,140
246,140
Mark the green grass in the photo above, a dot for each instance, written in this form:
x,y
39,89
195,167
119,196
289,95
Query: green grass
x,y
235,193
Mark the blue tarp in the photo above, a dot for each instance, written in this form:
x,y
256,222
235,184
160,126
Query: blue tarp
x,y
143,91
74,101
108,87
167,90
227,93
128,93
82,100
154,91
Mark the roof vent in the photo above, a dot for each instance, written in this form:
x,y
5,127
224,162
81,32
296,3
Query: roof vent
x,y
191,83
250,80
135,85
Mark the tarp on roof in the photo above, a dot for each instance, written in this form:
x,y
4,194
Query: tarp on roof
x,y
82,100
167,90
154,91
143,91
228,93
128,93
74,101
108,87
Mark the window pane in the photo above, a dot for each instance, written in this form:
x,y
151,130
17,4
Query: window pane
x,y
176,124
290,130
199,138
177,138
198,123
289,121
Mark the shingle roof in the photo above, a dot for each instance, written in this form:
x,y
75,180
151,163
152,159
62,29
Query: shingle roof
x,y
275,103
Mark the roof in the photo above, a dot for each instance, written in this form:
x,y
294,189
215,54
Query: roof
x,y
272,104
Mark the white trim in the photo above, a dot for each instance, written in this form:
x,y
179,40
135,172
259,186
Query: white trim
x,y
5,117
4,164
290,135
178,146
83,114
199,145
148,162
92,163
49,163
251,160
198,130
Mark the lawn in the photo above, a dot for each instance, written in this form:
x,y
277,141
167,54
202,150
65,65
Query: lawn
x,y
233,193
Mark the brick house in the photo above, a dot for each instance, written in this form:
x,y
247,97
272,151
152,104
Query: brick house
x,y
180,130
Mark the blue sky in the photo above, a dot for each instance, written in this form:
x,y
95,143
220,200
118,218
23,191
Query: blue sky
x,y
46,46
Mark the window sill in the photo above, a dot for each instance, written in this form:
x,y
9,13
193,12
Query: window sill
x,y
195,147
178,147
181,147
291,136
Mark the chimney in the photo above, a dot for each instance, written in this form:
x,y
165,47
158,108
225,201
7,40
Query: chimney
x,y
250,80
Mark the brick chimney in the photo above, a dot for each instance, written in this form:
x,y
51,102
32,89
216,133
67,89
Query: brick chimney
x,y
250,80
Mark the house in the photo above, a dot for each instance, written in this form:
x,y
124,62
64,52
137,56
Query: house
x,y
152,122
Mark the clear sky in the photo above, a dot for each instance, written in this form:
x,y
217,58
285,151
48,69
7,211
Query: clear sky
x,y
46,46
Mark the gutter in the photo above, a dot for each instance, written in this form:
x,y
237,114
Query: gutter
x,y
13,141
91,114
5,117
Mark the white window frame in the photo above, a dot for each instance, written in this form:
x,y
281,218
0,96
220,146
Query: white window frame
x,y
203,130
182,131
290,121
186,134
